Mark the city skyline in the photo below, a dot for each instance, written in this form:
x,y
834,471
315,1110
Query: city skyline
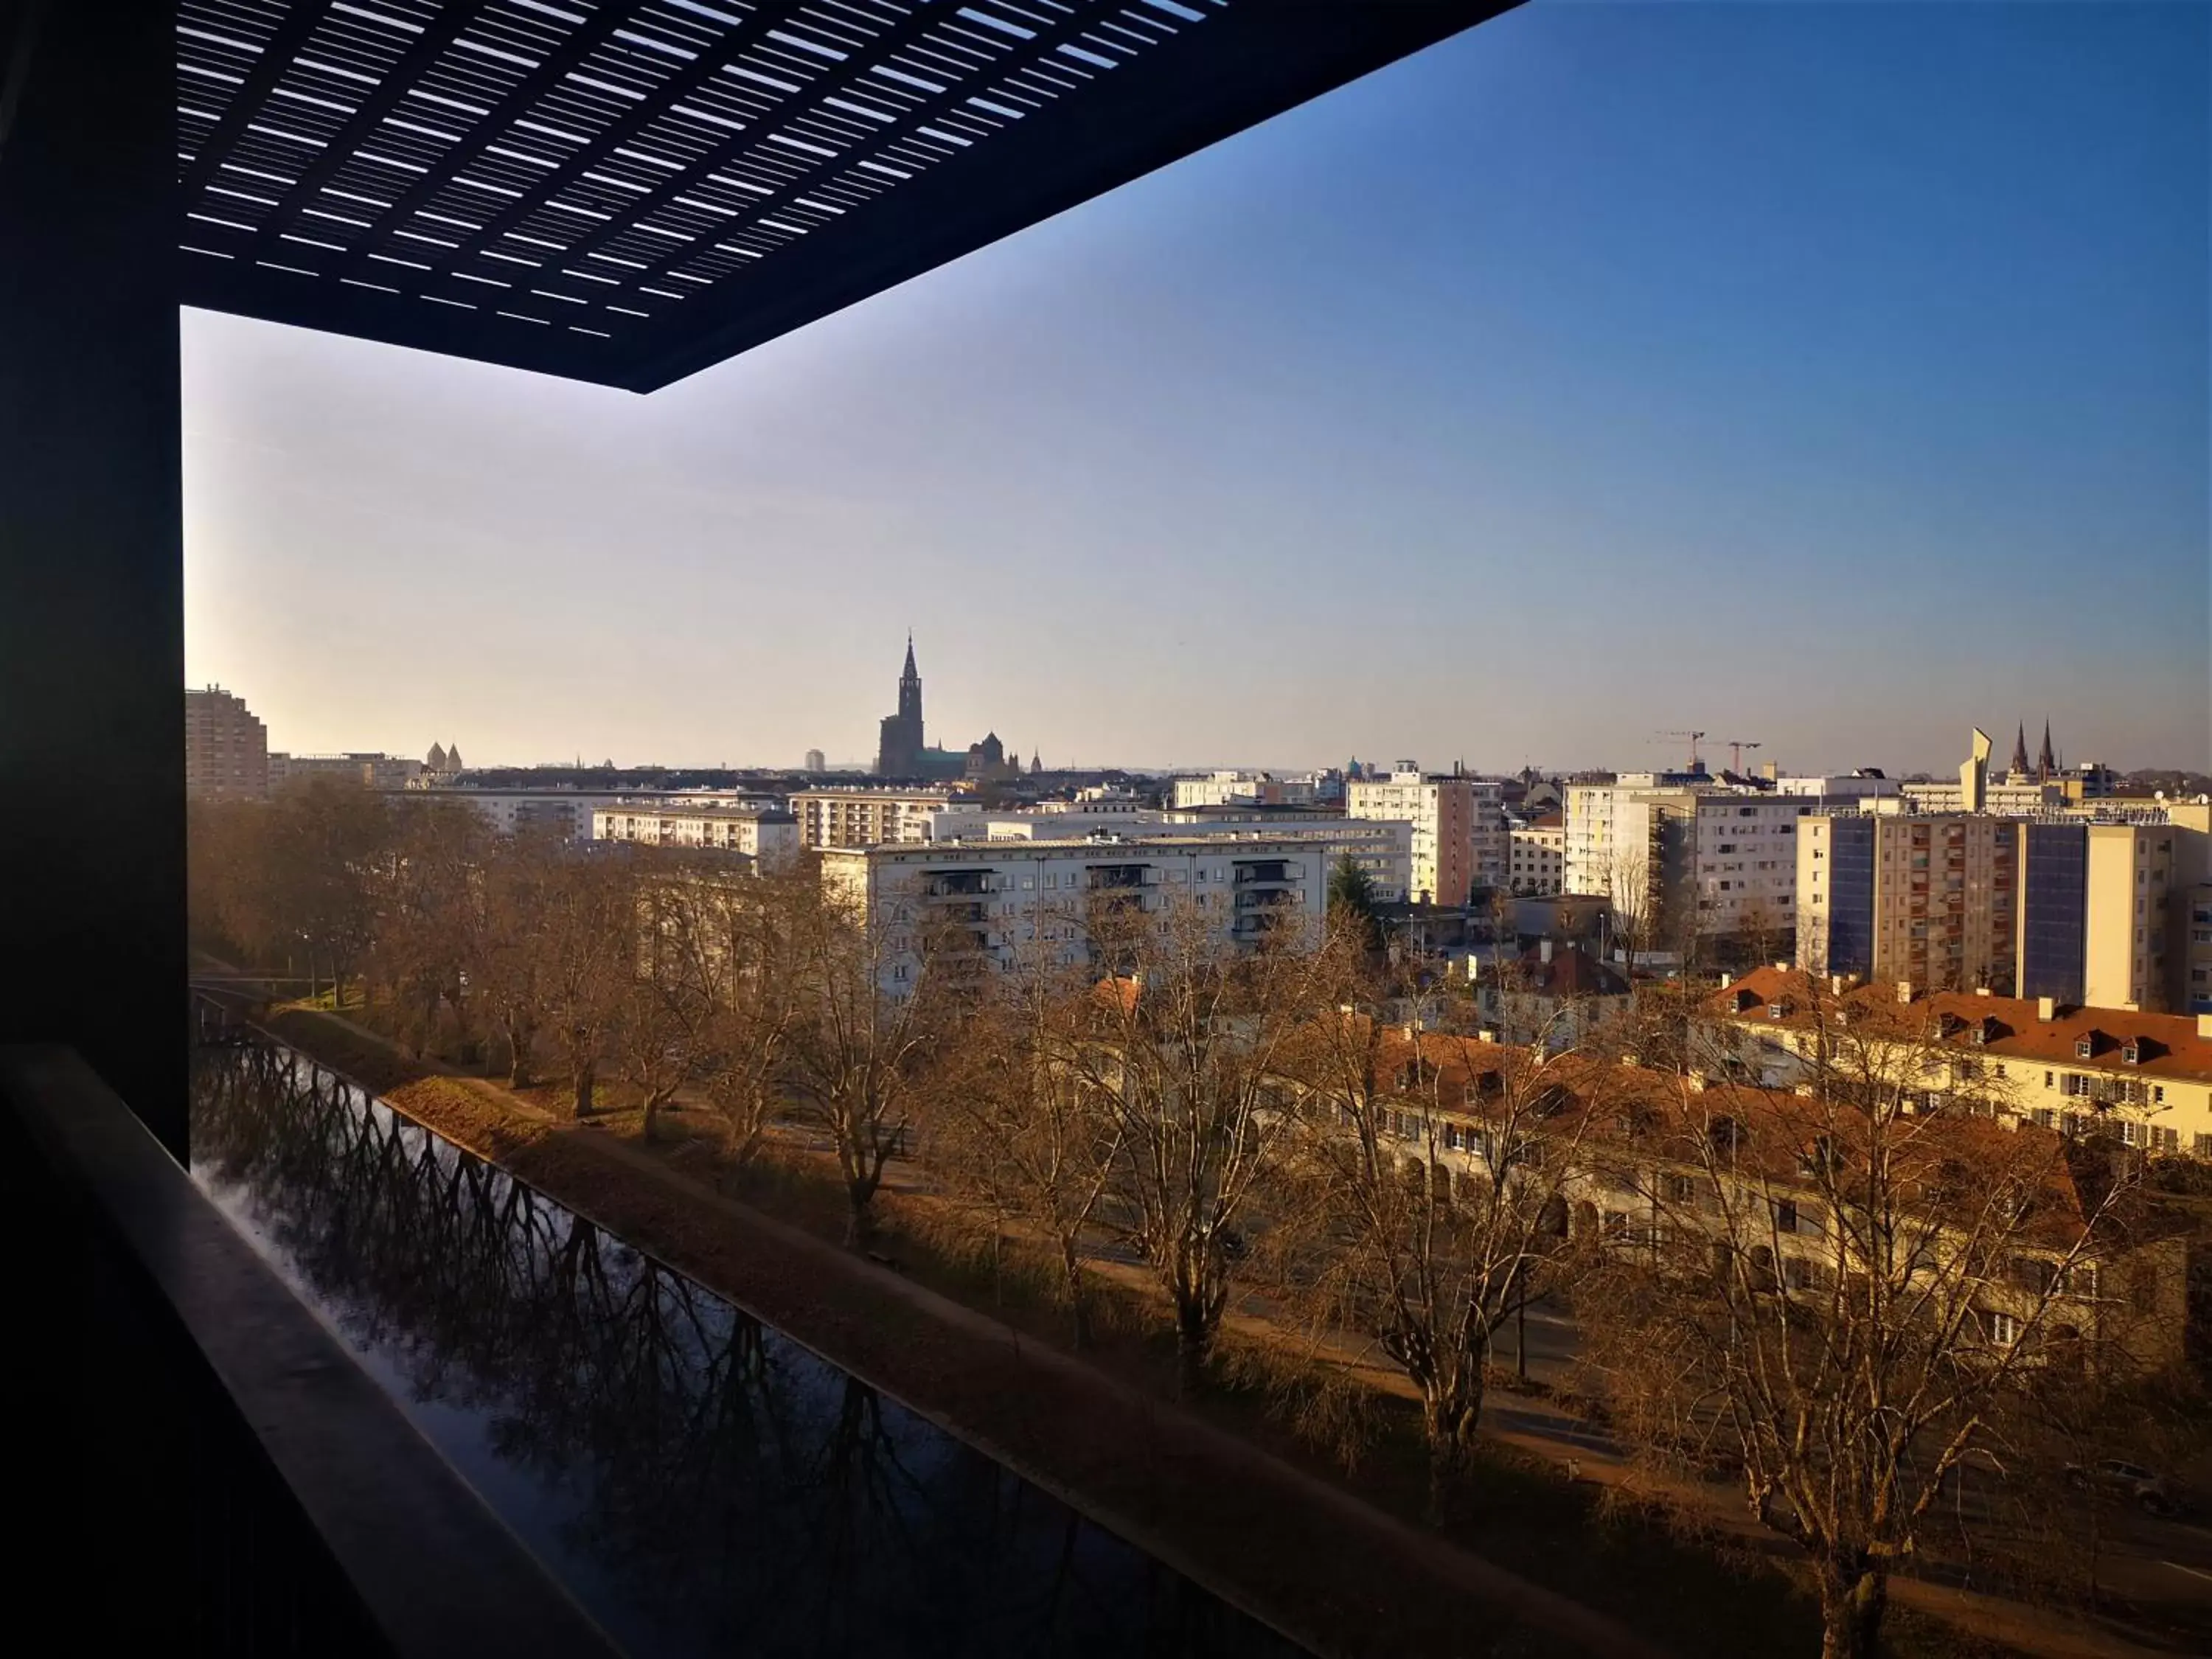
x,y
1833,441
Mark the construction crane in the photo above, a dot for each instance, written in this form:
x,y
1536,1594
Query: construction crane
x,y
1692,736
1736,747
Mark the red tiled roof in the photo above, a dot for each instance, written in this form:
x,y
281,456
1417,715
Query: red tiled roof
x,y
2171,1047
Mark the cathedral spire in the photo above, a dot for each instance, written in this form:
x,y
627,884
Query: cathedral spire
x,y
2044,766
2019,752
911,672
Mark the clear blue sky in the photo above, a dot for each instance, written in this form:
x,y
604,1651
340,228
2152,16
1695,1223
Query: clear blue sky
x,y
1834,376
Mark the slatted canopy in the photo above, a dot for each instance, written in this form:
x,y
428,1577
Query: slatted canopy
x,y
628,191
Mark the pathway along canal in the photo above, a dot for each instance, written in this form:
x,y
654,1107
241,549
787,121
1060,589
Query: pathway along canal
x,y
701,1484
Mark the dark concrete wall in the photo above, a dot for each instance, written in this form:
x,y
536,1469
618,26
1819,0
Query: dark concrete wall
x,y
92,872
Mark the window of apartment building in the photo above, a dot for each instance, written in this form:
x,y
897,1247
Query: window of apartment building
x,y
2004,1329
2203,1145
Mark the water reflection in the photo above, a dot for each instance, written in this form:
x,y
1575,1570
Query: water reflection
x,y
702,1484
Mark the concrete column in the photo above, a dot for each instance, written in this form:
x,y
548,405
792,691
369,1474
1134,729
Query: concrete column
x,y
92,863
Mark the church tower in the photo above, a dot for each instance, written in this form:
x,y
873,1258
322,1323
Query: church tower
x,y
898,752
2045,768
909,703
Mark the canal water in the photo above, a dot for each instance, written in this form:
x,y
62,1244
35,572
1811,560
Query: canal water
x,y
700,1483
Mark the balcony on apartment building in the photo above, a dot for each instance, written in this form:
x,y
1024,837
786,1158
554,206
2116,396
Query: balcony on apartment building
x,y
286,1384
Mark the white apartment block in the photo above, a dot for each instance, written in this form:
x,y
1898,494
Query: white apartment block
x,y
1650,844
1843,792
1033,901
370,771
225,747
1382,848
1236,788
765,835
1536,865
2003,797
863,817
1442,813
563,813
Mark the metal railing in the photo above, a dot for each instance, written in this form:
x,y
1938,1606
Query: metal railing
x,y
202,1429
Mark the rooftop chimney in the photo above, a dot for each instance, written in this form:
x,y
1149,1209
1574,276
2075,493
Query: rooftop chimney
x,y
1835,985
1984,991
1544,949
1905,990
1697,1083
1726,980
2046,1008
2204,1027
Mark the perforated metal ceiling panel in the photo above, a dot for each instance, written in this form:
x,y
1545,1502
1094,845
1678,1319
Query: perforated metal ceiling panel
x,y
627,191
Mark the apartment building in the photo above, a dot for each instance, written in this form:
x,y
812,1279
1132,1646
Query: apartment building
x,y
1230,788
2144,1078
370,771
2009,796
1382,847
1657,1190
1536,861
2194,954
562,813
866,817
1681,854
1442,810
1040,901
765,834
1930,900
226,748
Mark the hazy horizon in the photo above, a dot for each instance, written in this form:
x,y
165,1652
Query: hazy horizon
x,y
1834,376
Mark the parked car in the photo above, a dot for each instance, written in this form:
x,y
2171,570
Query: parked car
x,y
2152,1492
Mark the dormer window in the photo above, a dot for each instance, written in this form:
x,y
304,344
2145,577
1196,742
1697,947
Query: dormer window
x,y
1946,1025
2132,1051
1986,1028
2085,1047
1777,1010
1746,999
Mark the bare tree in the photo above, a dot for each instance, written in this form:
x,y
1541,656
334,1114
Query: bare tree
x,y
1025,1133
426,919
1840,1293
589,936
666,999
864,1046
1424,1205
512,951
1184,1048
1625,875
749,933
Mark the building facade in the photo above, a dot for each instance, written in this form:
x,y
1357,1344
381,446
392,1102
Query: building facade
x,y
1236,788
226,748
1010,902
1382,848
1536,862
1680,858
563,814
1932,901
1442,812
2145,1079
867,816
370,771
768,836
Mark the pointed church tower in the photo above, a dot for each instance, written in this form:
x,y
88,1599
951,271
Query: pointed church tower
x,y
2045,768
437,760
454,758
2018,768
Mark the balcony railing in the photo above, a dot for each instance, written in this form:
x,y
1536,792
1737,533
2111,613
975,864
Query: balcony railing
x,y
201,1429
